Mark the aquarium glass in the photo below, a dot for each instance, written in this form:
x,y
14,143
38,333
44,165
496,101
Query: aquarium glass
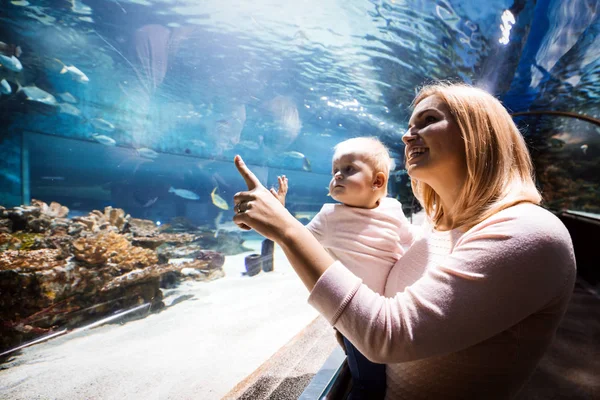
x,y
120,120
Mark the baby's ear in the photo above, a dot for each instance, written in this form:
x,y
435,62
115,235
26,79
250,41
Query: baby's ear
x,y
380,180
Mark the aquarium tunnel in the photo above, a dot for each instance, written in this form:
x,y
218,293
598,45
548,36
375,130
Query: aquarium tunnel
x,y
122,274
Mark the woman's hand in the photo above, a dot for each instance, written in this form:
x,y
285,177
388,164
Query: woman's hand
x,y
258,208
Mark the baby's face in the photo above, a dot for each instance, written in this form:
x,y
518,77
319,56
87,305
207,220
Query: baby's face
x,y
352,180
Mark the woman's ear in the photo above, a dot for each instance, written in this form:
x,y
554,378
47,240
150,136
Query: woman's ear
x,y
379,181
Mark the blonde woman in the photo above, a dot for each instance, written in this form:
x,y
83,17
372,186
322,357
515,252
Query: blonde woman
x,y
471,307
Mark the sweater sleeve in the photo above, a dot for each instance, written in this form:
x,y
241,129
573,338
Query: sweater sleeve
x,y
500,272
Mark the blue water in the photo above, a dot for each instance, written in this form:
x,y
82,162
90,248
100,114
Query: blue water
x,y
198,82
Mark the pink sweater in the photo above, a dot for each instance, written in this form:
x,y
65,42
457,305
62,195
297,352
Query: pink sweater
x,y
367,241
464,315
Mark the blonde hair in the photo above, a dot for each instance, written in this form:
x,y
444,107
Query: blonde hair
x,y
499,168
370,149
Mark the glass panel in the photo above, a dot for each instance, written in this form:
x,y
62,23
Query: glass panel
x,y
565,151
120,120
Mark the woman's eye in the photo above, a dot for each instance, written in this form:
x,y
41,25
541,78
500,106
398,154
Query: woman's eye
x,y
430,119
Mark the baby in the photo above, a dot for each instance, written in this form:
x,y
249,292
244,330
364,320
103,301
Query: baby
x,y
368,232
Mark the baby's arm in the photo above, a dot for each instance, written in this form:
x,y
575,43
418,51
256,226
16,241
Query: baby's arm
x,y
281,190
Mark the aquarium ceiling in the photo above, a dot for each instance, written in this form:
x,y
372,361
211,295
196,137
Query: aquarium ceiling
x,y
269,79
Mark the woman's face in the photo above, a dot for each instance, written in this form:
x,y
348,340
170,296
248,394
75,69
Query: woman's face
x,y
435,150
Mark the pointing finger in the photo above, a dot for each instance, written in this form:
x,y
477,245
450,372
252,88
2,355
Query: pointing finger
x,y
251,180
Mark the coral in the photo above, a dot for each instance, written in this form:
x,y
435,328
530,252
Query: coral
x,y
30,260
113,219
112,248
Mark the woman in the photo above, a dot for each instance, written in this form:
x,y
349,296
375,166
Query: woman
x,y
472,306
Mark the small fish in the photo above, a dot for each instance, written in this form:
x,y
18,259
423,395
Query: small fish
x,y
150,202
10,49
53,178
66,108
305,214
101,124
186,194
218,200
67,97
21,3
5,87
74,72
584,148
328,192
147,153
296,154
228,226
105,140
34,93
12,63
306,165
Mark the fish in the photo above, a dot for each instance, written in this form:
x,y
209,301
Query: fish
x,y
66,108
228,226
186,194
34,93
147,153
150,202
296,154
67,97
305,214
101,124
103,139
20,3
5,87
53,178
10,49
12,63
74,72
584,148
218,200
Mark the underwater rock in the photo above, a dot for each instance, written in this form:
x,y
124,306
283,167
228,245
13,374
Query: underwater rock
x,y
179,224
142,227
167,251
171,239
54,210
215,259
60,272
5,225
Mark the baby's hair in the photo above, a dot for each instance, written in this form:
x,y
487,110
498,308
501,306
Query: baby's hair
x,y
370,148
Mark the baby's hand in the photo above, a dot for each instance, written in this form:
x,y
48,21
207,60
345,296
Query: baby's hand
x,y
282,190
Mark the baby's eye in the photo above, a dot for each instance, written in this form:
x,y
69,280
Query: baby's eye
x,y
348,169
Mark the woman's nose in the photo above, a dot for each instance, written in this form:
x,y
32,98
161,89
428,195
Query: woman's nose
x,y
409,135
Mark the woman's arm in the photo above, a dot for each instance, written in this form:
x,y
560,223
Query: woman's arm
x,y
500,273
264,213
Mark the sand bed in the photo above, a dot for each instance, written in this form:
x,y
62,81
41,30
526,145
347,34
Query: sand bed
x,y
199,348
